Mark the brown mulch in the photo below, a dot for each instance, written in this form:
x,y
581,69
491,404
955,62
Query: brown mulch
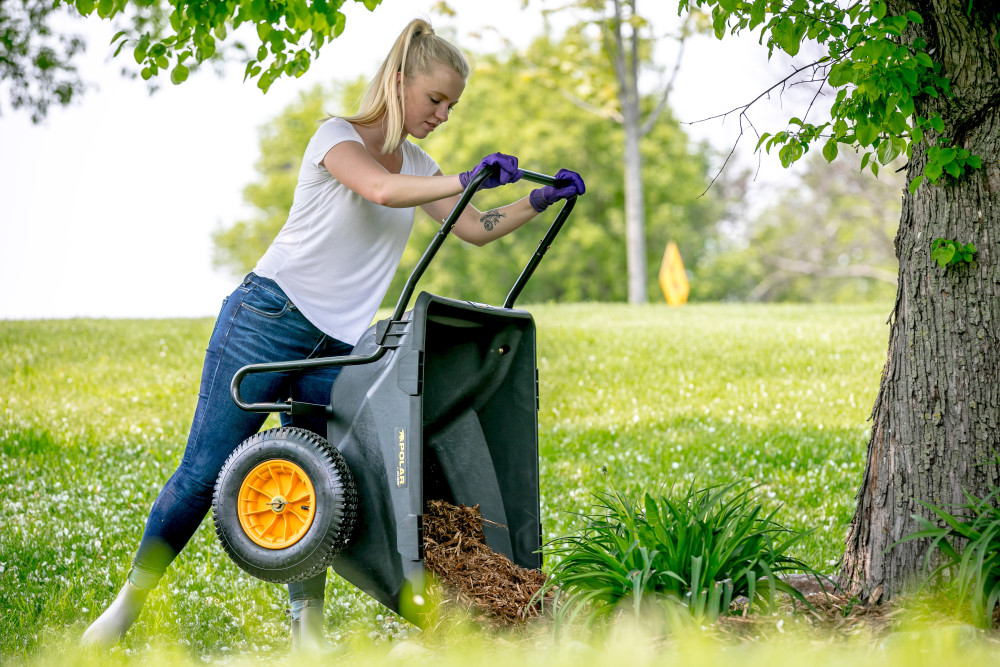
x,y
455,550
829,609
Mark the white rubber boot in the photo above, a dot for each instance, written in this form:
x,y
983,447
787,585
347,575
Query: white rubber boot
x,y
112,625
309,629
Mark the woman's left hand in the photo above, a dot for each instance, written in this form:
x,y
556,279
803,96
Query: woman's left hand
x,y
568,184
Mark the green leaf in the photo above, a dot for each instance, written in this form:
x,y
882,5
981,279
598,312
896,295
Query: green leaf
x,y
140,48
914,17
179,74
896,122
85,7
906,106
933,170
943,253
104,8
866,132
840,74
915,183
887,151
830,150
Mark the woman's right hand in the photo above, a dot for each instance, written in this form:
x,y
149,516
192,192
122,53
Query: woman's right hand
x,y
508,171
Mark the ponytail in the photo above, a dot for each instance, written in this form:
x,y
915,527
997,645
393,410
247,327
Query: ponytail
x,y
417,51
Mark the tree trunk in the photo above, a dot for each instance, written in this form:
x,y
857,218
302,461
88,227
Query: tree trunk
x,y
626,64
635,207
936,420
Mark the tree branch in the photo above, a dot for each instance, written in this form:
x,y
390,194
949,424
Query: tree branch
x,y
650,121
745,107
596,110
616,51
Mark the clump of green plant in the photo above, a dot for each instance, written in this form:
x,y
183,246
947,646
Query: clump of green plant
x,y
947,251
702,549
969,546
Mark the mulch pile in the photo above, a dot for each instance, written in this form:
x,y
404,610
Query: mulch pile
x,y
455,550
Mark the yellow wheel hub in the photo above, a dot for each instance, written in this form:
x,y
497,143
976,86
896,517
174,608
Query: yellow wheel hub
x,y
276,504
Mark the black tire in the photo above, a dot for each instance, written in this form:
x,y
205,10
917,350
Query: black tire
x,y
336,500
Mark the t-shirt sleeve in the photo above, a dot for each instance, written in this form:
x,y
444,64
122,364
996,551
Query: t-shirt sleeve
x,y
329,134
423,164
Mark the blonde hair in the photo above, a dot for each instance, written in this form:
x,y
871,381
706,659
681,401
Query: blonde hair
x,y
417,50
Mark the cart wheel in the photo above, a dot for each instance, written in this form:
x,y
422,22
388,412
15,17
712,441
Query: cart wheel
x,y
284,505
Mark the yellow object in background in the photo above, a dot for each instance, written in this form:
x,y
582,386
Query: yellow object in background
x,y
673,280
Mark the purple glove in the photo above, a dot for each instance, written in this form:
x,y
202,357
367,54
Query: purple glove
x,y
508,171
568,184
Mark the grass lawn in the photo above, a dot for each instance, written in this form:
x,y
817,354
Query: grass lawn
x,y
95,414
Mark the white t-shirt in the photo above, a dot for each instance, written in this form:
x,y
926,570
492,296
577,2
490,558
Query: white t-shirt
x,y
337,252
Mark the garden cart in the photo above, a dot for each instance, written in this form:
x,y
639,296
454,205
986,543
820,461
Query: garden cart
x,y
438,403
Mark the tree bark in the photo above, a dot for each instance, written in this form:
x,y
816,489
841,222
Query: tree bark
x,y
626,62
936,420
635,208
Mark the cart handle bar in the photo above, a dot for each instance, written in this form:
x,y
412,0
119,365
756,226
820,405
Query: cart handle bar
x,y
404,298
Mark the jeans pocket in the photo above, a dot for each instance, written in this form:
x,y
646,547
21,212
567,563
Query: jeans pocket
x,y
265,302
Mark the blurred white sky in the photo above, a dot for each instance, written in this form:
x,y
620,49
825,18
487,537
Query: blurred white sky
x,y
106,209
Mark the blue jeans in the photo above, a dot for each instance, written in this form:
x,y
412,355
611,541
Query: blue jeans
x,y
257,324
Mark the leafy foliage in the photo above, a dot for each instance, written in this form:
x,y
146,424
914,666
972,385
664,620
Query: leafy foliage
x,y
877,68
969,544
290,33
946,252
36,64
702,549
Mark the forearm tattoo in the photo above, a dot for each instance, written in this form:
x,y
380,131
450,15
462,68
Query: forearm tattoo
x,y
490,219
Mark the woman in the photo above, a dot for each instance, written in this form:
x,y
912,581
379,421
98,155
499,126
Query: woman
x,y
317,287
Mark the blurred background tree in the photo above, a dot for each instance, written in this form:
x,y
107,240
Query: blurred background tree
x,y
619,43
828,237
